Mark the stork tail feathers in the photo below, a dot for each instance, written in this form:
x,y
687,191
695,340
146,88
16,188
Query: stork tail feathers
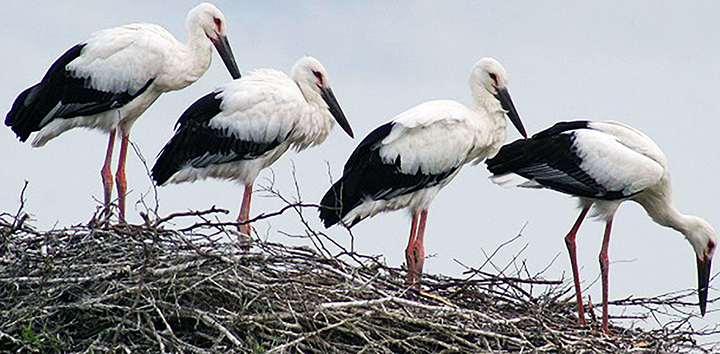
x,y
331,206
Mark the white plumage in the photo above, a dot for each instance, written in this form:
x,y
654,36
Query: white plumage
x,y
604,164
108,81
433,138
405,163
246,125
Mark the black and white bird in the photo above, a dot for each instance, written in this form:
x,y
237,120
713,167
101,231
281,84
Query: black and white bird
x,y
109,80
604,164
405,163
241,128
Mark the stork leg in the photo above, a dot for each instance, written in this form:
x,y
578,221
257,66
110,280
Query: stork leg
x,y
420,242
570,243
604,269
415,253
409,251
244,215
120,176
106,174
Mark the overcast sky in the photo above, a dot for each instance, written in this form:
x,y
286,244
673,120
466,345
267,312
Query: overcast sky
x,y
650,66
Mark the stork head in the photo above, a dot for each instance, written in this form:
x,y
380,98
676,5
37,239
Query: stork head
x,y
313,80
488,75
212,22
703,238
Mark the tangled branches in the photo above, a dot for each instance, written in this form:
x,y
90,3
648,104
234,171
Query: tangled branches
x,y
150,289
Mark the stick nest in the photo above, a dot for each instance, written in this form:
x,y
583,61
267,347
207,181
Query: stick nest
x,y
147,288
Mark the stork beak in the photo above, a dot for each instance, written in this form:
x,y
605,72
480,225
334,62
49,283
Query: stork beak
x,y
335,110
507,104
223,47
703,266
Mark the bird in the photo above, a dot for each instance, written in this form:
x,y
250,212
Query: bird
x,y
244,126
603,163
109,80
407,161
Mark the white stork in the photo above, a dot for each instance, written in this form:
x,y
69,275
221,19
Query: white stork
x,y
604,164
241,128
405,163
108,81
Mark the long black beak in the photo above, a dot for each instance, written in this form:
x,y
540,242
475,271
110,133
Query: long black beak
x,y
335,110
507,104
703,266
223,47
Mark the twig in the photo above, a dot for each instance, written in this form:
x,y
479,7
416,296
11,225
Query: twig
x,y
295,342
212,210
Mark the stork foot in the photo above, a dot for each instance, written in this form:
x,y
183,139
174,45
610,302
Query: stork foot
x,y
244,234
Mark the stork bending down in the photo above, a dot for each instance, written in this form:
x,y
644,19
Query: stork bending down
x,y
604,164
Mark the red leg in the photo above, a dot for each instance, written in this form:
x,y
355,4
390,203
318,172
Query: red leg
x,y
410,250
120,176
416,252
604,269
106,174
245,213
420,243
570,243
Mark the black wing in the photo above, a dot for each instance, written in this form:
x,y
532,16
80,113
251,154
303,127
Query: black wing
x,y
551,159
60,95
367,176
199,145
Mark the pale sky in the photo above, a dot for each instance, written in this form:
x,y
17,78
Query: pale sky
x,y
648,64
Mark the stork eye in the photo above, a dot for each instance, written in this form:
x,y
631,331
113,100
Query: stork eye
x,y
494,77
218,22
319,77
